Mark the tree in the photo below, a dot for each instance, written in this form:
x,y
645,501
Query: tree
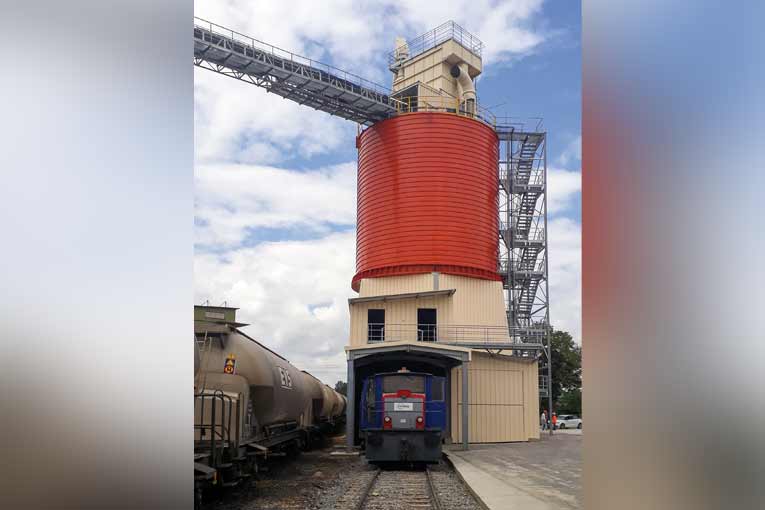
x,y
566,369
570,402
341,387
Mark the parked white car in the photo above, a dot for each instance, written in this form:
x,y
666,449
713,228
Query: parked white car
x,y
569,421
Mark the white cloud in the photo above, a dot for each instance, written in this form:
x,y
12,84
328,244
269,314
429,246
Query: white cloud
x,y
505,28
565,273
572,153
562,187
294,294
232,199
238,122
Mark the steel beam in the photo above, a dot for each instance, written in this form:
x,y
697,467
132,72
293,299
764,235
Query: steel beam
x,y
350,408
336,92
465,404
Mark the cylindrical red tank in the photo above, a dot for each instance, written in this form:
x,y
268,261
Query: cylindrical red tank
x,y
427,197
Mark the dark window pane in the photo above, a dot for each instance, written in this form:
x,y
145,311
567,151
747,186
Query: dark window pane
x,y
426,324
413,383
375,325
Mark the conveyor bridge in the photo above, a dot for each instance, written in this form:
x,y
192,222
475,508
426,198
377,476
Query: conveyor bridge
x,y
289,75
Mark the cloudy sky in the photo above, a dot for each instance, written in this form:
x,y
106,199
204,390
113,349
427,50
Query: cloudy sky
x,y
275,181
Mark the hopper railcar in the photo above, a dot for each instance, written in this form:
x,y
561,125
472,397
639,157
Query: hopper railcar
x,y
403,417
250,402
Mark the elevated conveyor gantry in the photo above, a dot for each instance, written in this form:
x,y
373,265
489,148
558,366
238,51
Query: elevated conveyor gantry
x,y
290,76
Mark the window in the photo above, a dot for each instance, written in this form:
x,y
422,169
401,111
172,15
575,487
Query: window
x,y
413,383
375,325
426,324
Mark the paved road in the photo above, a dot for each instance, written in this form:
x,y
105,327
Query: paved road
x,y
538,475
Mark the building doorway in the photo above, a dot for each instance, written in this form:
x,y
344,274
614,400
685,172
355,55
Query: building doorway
x,y
426,325
375,325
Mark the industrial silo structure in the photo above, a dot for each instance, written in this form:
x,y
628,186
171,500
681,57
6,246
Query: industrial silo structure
x,y
448,248
451,256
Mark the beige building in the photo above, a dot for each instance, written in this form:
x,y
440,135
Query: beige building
x,y
442,321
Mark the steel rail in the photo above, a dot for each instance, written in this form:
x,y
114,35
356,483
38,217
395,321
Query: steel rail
x,y
436,499
363,499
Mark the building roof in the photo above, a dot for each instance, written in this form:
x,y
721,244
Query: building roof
x,y
408,295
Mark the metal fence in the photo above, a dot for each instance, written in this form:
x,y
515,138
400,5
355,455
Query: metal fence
x,y
288,55
437,333
444,103
431,39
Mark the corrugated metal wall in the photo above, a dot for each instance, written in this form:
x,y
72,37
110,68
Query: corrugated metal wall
x,y
396,285
504,400
427,196
432,69
476,302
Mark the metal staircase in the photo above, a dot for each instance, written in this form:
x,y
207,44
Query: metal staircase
x,y
523,239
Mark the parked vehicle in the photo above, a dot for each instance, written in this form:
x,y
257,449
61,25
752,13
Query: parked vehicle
x,y
569,421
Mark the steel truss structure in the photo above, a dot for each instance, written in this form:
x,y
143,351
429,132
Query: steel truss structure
x,y
290,76
523,260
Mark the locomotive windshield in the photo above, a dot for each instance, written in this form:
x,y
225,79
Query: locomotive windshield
x,y
413,383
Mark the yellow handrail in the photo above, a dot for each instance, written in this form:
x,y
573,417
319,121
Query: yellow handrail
x,y
446,104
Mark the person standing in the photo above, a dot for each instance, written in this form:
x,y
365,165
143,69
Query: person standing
x,y
554,421
543,420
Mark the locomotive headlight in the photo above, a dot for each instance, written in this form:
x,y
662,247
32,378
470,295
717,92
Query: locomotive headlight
x,y
387,419
419,419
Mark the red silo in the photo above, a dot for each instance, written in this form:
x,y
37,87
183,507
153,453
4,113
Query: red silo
x,y
427,197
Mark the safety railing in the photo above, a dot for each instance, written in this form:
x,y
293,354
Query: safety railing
x,y
536,176
375,332
535,330
447,104
519,268
536,232
240,38
435,333
216,422
432,38
521,124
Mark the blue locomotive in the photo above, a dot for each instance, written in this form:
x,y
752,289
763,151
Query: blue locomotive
x,y
403,417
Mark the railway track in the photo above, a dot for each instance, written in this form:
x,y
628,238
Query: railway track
x,y
434,488
394,490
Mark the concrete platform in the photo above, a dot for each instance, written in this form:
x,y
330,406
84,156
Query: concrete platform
x,y
539,475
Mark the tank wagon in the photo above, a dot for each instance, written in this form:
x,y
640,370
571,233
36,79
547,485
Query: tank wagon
x,y
403,417
250,402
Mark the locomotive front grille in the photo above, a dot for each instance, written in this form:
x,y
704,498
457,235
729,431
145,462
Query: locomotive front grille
x,y
403,412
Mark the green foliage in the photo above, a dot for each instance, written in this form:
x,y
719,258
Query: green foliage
x,y
341,387
566,371
570,402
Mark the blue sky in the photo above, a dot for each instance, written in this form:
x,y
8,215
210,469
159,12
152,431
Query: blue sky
x,y
275,182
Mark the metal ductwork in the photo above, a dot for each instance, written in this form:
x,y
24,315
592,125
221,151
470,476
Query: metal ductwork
x,y
465,86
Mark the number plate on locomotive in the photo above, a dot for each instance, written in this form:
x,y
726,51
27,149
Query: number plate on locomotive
x,y
403,406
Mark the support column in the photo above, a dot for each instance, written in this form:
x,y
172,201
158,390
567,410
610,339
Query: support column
x,y
350,408
465,403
